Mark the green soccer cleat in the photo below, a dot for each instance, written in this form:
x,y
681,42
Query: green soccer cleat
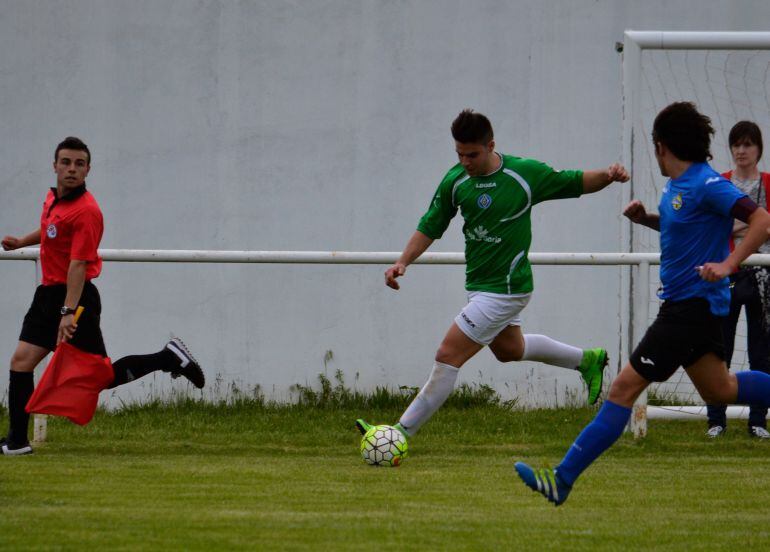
x,y
362,426
592,369
403,431
544,481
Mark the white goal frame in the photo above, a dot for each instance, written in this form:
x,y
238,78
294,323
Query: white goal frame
x,y
634,43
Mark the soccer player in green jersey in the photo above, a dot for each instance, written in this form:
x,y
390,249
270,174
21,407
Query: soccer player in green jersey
x,y
495,194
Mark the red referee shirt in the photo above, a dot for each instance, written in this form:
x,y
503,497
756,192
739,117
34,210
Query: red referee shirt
x,y
70,228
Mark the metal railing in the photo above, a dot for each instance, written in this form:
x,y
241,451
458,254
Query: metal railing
x,y
634,326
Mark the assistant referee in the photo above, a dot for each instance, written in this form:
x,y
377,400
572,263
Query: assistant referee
x,y
70,230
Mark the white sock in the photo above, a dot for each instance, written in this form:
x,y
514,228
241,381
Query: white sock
x,y
544,349
430,398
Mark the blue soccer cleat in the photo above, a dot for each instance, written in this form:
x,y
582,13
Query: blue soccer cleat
x,y
544,481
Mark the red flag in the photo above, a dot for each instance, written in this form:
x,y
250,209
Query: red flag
x,y
71,384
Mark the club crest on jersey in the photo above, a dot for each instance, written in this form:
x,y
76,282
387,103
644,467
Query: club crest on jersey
x,y
51,231
676,203
484,201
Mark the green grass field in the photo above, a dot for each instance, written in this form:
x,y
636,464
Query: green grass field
x,y
195,476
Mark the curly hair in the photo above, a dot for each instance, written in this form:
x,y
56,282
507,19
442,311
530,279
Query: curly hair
x,y
684,131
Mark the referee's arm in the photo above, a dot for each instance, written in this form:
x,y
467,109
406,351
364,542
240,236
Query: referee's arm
x,y
76,279
10,243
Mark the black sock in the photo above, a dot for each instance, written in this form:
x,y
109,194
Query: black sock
x,y
134,367
20,388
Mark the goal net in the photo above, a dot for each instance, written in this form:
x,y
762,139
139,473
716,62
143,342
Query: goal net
x,y
727,75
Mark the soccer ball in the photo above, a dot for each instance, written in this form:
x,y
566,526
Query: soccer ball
x,y
383,445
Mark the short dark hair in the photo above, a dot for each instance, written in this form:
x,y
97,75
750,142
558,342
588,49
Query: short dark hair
x,y
470,127
746,131
684,131
71,143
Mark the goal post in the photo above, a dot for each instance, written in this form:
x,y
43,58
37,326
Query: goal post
x,y
727,74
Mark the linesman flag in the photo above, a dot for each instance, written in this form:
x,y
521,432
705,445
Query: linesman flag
x,y
71,384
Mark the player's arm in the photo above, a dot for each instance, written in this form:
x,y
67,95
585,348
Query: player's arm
x,y
415,247
758,220
12,242
593,181
636,212
431,227
76,279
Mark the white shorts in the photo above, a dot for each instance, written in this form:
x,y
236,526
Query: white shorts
x,y
487,314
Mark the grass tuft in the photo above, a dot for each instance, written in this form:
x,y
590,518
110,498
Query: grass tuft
x,y
337,395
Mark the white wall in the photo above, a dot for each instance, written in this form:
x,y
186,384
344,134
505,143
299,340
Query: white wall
x,y
316,126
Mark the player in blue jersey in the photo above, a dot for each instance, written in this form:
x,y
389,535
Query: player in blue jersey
x,y
695,220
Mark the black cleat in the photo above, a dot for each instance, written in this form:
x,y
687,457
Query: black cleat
x,y
12,449
189,367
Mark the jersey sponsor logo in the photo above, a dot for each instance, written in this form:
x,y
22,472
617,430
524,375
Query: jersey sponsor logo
x,y
51,231
481,234
677,202
480,185
712,179
647,361
484,201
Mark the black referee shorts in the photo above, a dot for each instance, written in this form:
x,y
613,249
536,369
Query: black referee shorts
x,y
682,333
41,323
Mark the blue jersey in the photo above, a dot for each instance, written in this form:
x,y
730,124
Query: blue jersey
x,y
695,228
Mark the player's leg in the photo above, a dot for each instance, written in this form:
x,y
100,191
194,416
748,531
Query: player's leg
x,y
714,383
476,326
717,413
603,431
455,350
175,358
758,345
20,387
665,347
711,378
708,371
511,344
36,340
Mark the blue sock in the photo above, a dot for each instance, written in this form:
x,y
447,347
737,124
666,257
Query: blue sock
x,y
753,388
597,437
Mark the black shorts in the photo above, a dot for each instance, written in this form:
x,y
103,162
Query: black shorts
x,y
682,333
41,323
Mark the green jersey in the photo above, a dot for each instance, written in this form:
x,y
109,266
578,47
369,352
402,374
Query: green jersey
x,y
496,209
